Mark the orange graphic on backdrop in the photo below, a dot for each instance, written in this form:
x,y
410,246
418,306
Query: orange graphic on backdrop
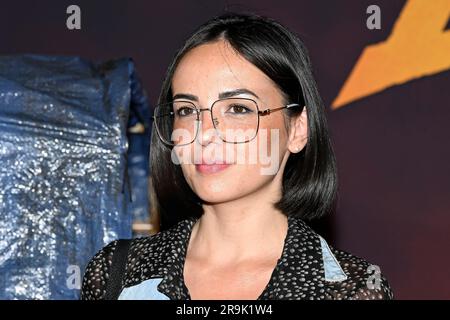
x,y
418,46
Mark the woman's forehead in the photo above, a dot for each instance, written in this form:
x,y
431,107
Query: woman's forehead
x,y
217,67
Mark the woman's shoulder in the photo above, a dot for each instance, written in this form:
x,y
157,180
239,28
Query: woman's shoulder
x,y
363,280
147,256
347,276
97,273
98,269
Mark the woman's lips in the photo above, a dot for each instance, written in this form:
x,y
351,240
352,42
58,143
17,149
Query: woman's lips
x,y
211,168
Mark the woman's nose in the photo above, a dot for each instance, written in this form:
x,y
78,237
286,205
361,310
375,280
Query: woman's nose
x,y
206,131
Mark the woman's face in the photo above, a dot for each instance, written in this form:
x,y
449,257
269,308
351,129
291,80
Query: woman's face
x,y
218,171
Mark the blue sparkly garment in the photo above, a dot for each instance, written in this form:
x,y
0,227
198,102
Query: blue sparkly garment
x,y
66,168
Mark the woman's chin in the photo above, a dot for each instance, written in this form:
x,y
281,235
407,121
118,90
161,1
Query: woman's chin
x,y
214,198
216,193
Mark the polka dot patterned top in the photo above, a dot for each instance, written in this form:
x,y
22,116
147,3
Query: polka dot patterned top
x,y
308,268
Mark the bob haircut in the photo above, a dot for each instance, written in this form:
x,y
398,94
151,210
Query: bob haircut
x,y
309,185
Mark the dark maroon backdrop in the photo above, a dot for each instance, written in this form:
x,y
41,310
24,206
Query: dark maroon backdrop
x,y
392,147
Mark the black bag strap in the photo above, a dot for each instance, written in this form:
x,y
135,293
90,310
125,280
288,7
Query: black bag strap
x,y
117,271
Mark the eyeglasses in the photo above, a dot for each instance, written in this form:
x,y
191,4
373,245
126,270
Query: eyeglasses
x,y
236,120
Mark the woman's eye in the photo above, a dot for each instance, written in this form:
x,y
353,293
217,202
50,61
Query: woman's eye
x,y
185,111
239,109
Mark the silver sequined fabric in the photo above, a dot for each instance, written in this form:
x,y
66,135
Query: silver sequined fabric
x,y
62,167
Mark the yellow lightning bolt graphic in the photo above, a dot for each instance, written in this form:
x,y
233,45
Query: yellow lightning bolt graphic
x,y
418,46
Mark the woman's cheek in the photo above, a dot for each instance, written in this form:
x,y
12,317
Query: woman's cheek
x,y
269,150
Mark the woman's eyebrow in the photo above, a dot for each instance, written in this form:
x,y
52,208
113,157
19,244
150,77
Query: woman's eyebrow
x,y
222,95
186,96
232,93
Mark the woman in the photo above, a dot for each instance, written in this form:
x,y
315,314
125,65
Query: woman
x,y
241,157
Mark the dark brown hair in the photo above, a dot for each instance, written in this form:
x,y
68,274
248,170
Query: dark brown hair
x,y
310,178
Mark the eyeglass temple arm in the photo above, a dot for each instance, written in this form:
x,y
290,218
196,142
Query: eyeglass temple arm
x,y
154,117
268,111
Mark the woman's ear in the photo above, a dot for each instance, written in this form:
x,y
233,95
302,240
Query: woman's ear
x,y
298,135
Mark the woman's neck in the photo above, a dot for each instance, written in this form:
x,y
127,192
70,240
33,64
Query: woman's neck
x,y
244,229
